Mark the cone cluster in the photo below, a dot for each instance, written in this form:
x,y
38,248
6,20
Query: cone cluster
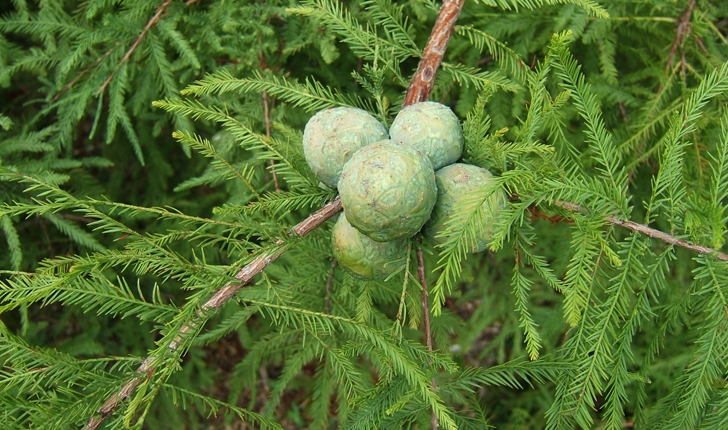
x,y
388,182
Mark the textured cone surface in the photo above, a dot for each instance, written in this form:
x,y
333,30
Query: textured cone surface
x,y
388,190
333,135
363,257
431,128
454,184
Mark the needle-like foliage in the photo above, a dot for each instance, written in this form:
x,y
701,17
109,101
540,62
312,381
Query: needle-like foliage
x,y
150,150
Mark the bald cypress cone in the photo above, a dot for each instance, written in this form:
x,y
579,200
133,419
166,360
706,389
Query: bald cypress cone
x,y
431,128
456,183
388,190
363,257
332,136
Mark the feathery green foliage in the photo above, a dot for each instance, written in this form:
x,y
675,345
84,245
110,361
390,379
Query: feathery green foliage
x,y
150,150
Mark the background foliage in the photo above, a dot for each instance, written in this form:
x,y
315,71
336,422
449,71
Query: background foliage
x,y
136,142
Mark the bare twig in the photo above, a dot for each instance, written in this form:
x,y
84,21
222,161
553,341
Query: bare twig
x,y
682,31
83,72
651,232
329,282
51,251
425,304
426,318
266,112
152,21
422,82
263,372
419,90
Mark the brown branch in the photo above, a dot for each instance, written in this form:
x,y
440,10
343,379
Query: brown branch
x,y
266,114
419,90
422,82
682,31
651,232
152,21
243,277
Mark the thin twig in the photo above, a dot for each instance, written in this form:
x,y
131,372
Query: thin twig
x,y
419,90
84,71
152,21
425,304
266,112
263,372
402,309
682,31
426,318
51,251
651,232
329,282
78,218
422,82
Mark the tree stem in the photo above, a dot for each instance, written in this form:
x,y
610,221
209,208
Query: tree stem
x,y
423,80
